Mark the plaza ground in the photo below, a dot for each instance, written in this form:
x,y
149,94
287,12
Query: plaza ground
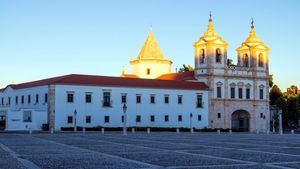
x,y
155,150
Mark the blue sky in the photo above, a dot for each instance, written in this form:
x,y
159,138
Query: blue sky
x,y
41,39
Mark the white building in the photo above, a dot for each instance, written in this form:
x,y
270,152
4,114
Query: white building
x,y
99,100
216,95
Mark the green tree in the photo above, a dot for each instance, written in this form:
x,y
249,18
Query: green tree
x,y
275,93
271,83
292,114
186,68
230,62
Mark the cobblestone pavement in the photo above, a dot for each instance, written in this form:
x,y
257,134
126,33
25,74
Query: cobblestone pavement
x,y
113,150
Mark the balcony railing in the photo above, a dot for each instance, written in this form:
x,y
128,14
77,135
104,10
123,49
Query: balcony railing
x,y
199,104
106,103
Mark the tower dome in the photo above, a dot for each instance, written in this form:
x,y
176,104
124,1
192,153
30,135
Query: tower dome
x,y
150,62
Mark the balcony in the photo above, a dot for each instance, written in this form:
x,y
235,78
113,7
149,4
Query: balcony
x,y
199,104
106,103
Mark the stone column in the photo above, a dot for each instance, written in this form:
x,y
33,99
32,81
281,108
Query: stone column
x,y
51,106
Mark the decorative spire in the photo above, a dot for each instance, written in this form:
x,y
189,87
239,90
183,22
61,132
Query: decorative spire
x,y
210,35
252,40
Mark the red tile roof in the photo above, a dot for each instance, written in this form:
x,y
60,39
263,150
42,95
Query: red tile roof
x,y
91,80
181,76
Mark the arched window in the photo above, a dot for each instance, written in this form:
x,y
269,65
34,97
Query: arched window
x,y
260,60
218,55
246,60
202,56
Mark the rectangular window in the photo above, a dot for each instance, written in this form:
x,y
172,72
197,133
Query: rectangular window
x,y
166,118
88,119
138,119
179,117
152,99
219,115
138,98
106,119
28,99
148,71
106,99
22,99
122,118
88,97
27,116
2,101
70,119
152,118
219,92
166,99
199,101
248,93
261,115
179,99
9,101
70,97
123,98
36,98
232,92
46,98
199,117
16,99
261,94
240,93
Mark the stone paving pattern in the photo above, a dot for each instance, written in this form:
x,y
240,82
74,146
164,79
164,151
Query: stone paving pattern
x,y
113,150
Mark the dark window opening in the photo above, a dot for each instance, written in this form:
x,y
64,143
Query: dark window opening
x,y
70,97
138,119
247,93
152,118
106,99
88,119
219,93
179,99
88,98
232,92
199,101
166,99
123,98
240,93
106,119
152,99
70,119
179,117
138,99
166,118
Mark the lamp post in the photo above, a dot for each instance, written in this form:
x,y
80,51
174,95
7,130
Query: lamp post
x,y
191,125
125,119
75,125
280,121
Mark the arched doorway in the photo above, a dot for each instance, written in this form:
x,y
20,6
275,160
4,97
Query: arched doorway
x,y
240,120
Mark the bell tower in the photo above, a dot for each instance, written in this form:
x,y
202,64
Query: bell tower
x,y
253,53
210,53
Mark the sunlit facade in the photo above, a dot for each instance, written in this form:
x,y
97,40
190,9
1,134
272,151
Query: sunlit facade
x,y
239,94
217,94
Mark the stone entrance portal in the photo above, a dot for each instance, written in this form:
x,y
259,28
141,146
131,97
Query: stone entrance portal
x,y
240,120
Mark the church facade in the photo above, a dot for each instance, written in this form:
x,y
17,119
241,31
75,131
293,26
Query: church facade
x,y
217,94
